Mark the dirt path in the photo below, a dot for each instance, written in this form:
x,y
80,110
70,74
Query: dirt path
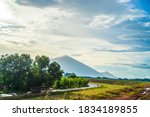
x,y
77,89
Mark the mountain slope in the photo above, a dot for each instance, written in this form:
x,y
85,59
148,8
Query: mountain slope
x,y
107,75
70,65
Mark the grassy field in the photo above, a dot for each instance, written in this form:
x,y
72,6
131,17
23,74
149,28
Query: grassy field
x,y
108,90
96,93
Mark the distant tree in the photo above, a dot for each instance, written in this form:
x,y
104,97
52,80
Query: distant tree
x,y
66,83
72,75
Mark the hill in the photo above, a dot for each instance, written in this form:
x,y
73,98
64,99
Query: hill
x,y
71,65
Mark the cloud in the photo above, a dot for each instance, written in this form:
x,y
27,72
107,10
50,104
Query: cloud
x,y
76,55
94,31
135,49
140,26
102,21
141,66
124,1
106,21
9,26
136,36
37,3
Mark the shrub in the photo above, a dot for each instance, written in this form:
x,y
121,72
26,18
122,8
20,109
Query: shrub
x,y
66,83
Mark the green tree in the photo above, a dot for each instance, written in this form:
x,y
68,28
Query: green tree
x,y
42,62
39,72
15,69
21,73
55,71
72,75
65,83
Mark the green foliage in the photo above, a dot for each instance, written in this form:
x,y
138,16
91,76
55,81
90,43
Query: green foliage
x,y
42,62
56,84
15,70
21,73
70,75
66,83
39,72
1,78
54,71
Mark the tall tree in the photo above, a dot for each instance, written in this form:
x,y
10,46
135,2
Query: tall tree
x,y
15,70
40,71
55,71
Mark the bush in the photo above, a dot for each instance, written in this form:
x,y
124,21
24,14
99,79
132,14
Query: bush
x,y
66,83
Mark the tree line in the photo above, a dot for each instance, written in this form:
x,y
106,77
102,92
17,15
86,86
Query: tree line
x,y
20,73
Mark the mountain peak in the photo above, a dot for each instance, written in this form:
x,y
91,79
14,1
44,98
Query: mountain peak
x,y
108,75
64,56
71,65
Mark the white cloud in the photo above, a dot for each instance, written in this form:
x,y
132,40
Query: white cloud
x,y
60,29
38,22
5,11
106,21
124,1
147,24
102,21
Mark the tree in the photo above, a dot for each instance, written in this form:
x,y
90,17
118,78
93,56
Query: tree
x,y
42,62
21,73
39,72
66,82
15,69
55,71
57,84
72,75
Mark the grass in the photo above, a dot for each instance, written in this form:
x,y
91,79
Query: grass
x,y
106,91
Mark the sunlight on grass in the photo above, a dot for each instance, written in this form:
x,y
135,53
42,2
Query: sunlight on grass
x,y
106,91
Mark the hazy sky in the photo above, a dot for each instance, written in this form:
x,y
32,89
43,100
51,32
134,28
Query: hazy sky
x,y
109,35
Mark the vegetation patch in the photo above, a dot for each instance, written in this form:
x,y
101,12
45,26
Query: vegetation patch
x,y
106,91
67,82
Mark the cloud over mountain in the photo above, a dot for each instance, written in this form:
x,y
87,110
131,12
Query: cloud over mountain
x,y
96,30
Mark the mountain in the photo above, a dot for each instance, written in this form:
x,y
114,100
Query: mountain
x,y
70,65
107,74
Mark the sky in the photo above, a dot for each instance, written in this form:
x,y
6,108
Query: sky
x,y
108,35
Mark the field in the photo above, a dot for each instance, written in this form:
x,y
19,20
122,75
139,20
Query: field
x,y
108,90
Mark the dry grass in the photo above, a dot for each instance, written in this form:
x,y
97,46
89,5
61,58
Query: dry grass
x,y
106,92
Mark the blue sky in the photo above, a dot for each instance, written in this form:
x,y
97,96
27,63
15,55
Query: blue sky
x,y
111,35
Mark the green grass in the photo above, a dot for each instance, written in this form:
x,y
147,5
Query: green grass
x,y
109,90
106,91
